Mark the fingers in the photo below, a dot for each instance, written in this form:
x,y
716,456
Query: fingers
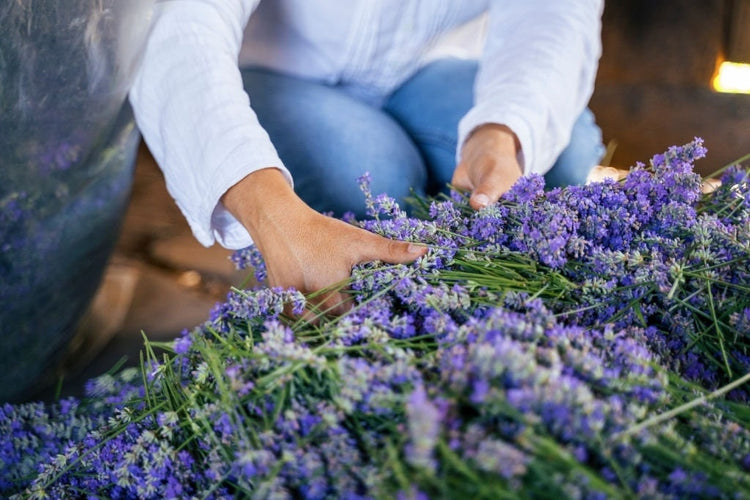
x,y
321,267
316,257
461,177
489,164
332,303
326,304
492,179
601,172
710,185
487,177
374,247
487,188
323,298
484,194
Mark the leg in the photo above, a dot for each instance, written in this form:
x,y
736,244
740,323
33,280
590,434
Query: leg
x,y
327,139
430,104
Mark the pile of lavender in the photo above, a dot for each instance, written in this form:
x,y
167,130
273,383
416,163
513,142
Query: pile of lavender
x,y
585,342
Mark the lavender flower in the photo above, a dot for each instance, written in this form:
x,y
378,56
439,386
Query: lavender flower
x,y
423,419
532,352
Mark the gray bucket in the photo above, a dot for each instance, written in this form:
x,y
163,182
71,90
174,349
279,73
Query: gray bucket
x,y
67,152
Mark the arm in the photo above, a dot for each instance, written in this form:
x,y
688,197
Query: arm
x,y
537,74
219,163
194,114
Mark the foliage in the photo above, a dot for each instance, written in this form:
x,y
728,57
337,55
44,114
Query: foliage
x,y
585,342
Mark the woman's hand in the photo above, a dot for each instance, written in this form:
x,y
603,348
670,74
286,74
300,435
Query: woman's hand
x,y
489,164
301,247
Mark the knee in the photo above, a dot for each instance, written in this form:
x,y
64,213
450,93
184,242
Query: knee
x,y
396,169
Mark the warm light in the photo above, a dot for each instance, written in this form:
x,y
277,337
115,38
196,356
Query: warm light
x,y
732,77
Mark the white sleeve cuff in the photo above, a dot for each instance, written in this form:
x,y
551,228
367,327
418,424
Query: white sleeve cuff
x,y
221,226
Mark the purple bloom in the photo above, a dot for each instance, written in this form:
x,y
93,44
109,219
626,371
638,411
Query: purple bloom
x,y
424,421
522,350
182,344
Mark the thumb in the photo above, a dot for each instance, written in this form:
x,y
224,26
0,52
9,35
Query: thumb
x,y
461,178
494,180
489,189
391,251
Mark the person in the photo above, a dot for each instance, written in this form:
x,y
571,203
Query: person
x,y
263,114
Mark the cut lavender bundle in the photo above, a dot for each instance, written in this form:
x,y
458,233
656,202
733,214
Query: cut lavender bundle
x,y
556,343
651,251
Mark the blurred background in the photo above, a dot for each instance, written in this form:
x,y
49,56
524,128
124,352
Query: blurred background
x,y
657,75
656,87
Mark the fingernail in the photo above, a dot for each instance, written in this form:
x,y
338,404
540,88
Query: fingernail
x,y
415,249
481,200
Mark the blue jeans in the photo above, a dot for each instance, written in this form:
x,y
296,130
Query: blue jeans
x,y
327,138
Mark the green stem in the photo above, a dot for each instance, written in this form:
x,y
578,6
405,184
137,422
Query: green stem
x,y
663,417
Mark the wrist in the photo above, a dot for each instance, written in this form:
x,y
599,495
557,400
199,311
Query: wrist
x,y
260,200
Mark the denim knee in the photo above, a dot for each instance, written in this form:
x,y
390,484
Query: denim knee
x,y
328,139
429,106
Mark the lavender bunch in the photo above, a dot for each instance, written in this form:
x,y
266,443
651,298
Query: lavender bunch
x,y
555,343
650,251
509,401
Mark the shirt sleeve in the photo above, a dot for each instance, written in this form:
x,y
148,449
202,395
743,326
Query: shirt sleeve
x,y
536,74
192,110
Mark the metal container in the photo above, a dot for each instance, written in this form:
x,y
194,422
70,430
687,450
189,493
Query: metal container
x,y
67,152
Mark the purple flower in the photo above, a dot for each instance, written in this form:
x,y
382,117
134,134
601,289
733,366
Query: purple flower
x,y
424,421
182,344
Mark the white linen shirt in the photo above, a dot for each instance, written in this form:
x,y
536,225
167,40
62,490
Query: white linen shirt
x,y
536,75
